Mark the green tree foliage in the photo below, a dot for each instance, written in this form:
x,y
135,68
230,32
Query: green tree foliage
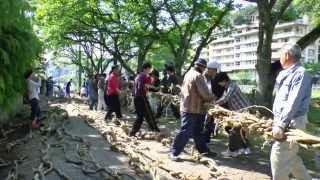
x,y
19,47
270,13
312,9
242,16
186,25
160,55
290,14
64,25
313,68
128,30
107,29
309,7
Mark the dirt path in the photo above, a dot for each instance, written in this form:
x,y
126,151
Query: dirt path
x,y
76,148
72,151
252,168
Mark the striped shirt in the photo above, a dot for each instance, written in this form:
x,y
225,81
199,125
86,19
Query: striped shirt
x,y
234,97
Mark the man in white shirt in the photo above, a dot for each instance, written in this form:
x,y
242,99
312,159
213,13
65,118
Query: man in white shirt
x,y
33,96
290,108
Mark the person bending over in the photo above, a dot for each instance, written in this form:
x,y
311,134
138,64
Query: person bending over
x,y
235,100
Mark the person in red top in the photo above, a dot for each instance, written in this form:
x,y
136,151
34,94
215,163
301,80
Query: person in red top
x,y
113,91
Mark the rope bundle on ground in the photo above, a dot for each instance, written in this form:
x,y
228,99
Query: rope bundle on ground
x,y
259,126
136,151
252,123
54,128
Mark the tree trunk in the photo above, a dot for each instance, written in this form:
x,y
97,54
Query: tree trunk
x,y
124,64
143,51
79,77
180,59
80,70
141,58
196,56
265,80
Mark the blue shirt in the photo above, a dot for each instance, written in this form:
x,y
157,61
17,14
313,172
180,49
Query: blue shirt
x,y
293,91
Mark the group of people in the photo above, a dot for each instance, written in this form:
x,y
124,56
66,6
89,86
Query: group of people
x,y
204,84
291,104
58,92
104,91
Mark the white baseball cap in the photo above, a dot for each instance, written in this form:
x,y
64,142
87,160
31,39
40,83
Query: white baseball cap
x,y
213,64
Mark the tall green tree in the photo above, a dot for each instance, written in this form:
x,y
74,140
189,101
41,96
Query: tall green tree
x,y
186,25
64,26
312,9
270,13
19,48
242,16
114,28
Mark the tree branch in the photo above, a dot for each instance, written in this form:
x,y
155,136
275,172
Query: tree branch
x,y
205,39
279,13
309,38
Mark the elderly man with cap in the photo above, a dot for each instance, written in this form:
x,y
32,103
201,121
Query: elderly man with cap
x,y
213,68
194,95
291,105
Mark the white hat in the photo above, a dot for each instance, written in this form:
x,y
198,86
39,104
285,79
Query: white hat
x,y
213,64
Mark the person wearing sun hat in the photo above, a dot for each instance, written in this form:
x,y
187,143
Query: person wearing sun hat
x,y
194,94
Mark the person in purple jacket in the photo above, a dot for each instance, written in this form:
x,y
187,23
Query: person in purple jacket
x,y
141,84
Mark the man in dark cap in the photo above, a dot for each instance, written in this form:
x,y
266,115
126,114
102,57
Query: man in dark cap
x,y
194,95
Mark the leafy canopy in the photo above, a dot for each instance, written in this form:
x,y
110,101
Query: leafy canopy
x,y
19,48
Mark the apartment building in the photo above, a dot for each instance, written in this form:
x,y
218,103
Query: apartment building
x,y
236,50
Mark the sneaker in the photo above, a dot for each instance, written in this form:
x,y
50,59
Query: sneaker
x,y
241,151
210,154
174,158
229,153
247,151
116,122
